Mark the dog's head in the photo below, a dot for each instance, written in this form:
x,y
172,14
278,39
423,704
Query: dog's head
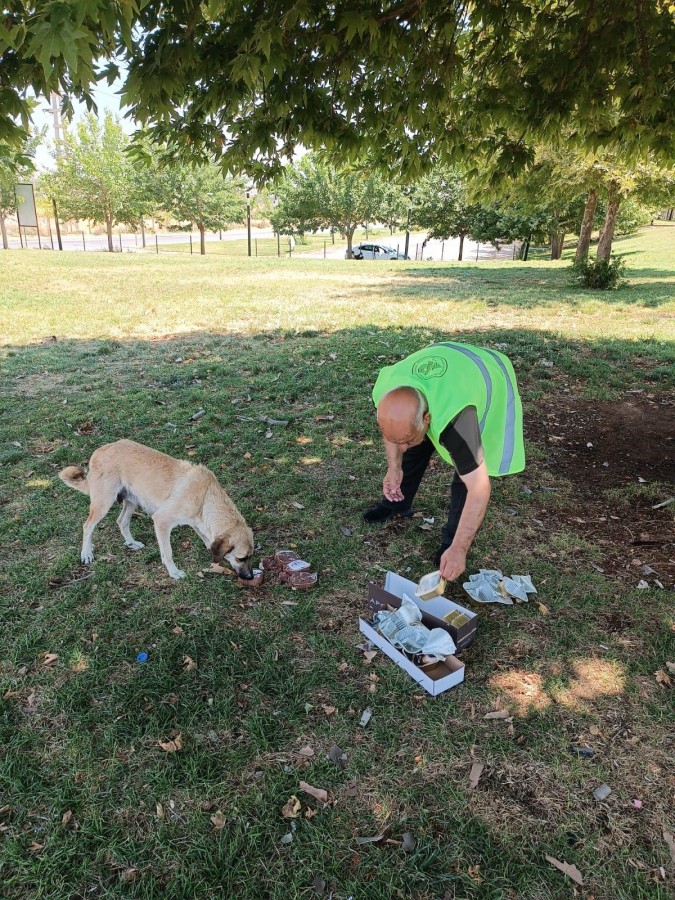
x,y
237,548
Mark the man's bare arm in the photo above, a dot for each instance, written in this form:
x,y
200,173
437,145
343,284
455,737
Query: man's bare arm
x,y
453,561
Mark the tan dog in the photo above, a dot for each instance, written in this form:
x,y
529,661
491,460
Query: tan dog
x,y
172,491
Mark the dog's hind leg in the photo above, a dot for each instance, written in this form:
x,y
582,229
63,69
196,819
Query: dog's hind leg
x,y
103,494
124,520
163,528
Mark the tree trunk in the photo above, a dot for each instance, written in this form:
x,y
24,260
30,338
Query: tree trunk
x,y
586,225
108,228
561,243
350,237
554,245
202,242
461,247
142,231
3,229
607,235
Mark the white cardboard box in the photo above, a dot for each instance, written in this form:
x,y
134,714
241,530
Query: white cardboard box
x,y
445,674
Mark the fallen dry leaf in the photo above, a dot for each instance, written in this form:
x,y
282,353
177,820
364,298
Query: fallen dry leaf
x,y
318,793
177,630
218,821
189,664
594,730
297,505
329,710
408,842
128,875
160,810
543,609
291,809
369,656
172,746
567,869
474,775
498,714
66,817
48,659
668,838
306,751
670,666
336,755
663,677
375,839
310,813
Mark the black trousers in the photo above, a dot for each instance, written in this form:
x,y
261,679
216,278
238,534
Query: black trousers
x,y
415,462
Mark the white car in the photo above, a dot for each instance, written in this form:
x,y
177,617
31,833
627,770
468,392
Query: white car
x,y
376,251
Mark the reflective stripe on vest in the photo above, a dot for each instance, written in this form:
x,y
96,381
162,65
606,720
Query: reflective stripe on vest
x,y
510,423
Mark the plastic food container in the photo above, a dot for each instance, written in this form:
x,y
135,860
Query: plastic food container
x,y
284,557
303,581
256,581
297,565
430,586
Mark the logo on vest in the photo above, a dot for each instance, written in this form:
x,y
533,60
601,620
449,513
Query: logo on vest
x,y
430,367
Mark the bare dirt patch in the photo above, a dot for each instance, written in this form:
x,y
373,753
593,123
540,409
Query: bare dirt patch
x,y
601,447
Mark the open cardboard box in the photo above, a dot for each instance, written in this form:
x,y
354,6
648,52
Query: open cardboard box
x,y
444,675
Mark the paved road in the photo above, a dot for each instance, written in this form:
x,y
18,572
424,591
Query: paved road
x,y
129,243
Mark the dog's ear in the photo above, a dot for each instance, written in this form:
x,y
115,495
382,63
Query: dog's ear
x,y
220,548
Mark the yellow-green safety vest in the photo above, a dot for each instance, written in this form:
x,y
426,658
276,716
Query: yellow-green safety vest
x,y
452,376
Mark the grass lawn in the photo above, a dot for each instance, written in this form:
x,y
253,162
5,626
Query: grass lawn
x,y
98,347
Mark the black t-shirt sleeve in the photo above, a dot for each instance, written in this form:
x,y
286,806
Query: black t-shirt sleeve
x,y
461,438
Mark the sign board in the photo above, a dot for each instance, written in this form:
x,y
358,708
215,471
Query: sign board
x,y
25,206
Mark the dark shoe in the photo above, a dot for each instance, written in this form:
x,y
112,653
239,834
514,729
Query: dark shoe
x,y
379,513
441,551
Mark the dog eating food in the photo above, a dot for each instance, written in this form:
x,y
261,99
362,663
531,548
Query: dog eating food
x,y
172,491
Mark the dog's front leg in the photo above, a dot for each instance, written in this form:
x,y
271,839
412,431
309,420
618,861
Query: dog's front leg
x,y
163,529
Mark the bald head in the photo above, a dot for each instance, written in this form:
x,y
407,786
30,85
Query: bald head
x,y
402,416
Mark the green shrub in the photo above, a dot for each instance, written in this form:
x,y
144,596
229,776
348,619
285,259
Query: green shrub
x,y
600,274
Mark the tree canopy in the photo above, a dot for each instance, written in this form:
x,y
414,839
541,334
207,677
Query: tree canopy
x,y
314,194
409,81
201,195
94,177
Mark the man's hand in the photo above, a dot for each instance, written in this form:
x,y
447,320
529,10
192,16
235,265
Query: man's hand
x,y
453,563
391,486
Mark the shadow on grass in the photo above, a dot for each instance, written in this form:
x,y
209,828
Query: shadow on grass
x,y
526,287
81,735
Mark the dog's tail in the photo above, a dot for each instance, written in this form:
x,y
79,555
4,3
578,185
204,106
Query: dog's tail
x,y
75,477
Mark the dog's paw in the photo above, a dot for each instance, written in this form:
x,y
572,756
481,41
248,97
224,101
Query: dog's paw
x,y
87,558
135,545
176,573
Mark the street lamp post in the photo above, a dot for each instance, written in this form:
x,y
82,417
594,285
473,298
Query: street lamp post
x,y
248,220
407,231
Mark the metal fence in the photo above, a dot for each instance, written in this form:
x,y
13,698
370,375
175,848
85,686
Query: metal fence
x,y
262,243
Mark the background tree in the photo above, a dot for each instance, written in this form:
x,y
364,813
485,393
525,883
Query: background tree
x,y
314,194
411,82
16,164
94,175
201,195
441,206
393,210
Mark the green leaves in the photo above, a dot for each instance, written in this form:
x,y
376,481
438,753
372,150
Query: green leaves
x,y
410,84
